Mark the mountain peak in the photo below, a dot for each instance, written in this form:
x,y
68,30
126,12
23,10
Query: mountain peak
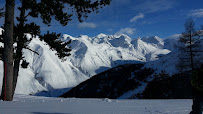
x,y
101,35
156,37
117,35
155,40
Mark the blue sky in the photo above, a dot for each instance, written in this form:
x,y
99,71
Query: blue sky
x,y
136,18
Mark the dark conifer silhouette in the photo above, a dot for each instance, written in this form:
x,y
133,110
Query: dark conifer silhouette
x,y
190,47
53,40
60,10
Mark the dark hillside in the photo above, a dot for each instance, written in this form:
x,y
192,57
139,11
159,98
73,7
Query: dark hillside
x,y
163,86
111,83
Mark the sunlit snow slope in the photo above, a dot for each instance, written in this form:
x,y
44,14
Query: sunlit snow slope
x,y
89,56
97,54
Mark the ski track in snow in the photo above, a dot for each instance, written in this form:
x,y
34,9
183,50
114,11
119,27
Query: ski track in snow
x,y
129,94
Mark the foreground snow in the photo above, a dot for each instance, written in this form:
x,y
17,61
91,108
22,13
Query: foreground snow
x,y
24,104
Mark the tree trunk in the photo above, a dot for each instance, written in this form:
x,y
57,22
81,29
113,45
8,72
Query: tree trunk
x,y
20,44
191,53
197,105
7,88
15,74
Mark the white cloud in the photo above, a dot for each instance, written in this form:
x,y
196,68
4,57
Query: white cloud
x,y
139,16
128,31
110,30
150,6
196,13
87,25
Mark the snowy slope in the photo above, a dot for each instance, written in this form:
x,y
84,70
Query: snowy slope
x,y
89,56
46,71
169,62
156,41
97,54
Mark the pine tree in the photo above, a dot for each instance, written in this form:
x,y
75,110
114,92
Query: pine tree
x,y
47,10
190,46
53,40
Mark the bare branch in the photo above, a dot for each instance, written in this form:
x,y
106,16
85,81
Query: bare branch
x,y
2,13
32,50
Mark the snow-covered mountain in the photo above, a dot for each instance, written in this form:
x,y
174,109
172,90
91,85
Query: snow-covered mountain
x,y
89,56
46,71
97,54
156,41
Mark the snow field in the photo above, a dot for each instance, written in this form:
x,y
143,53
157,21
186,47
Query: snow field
x,y
24,104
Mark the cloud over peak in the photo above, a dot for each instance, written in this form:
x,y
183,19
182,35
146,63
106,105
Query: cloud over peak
x,y
128,31
139,16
